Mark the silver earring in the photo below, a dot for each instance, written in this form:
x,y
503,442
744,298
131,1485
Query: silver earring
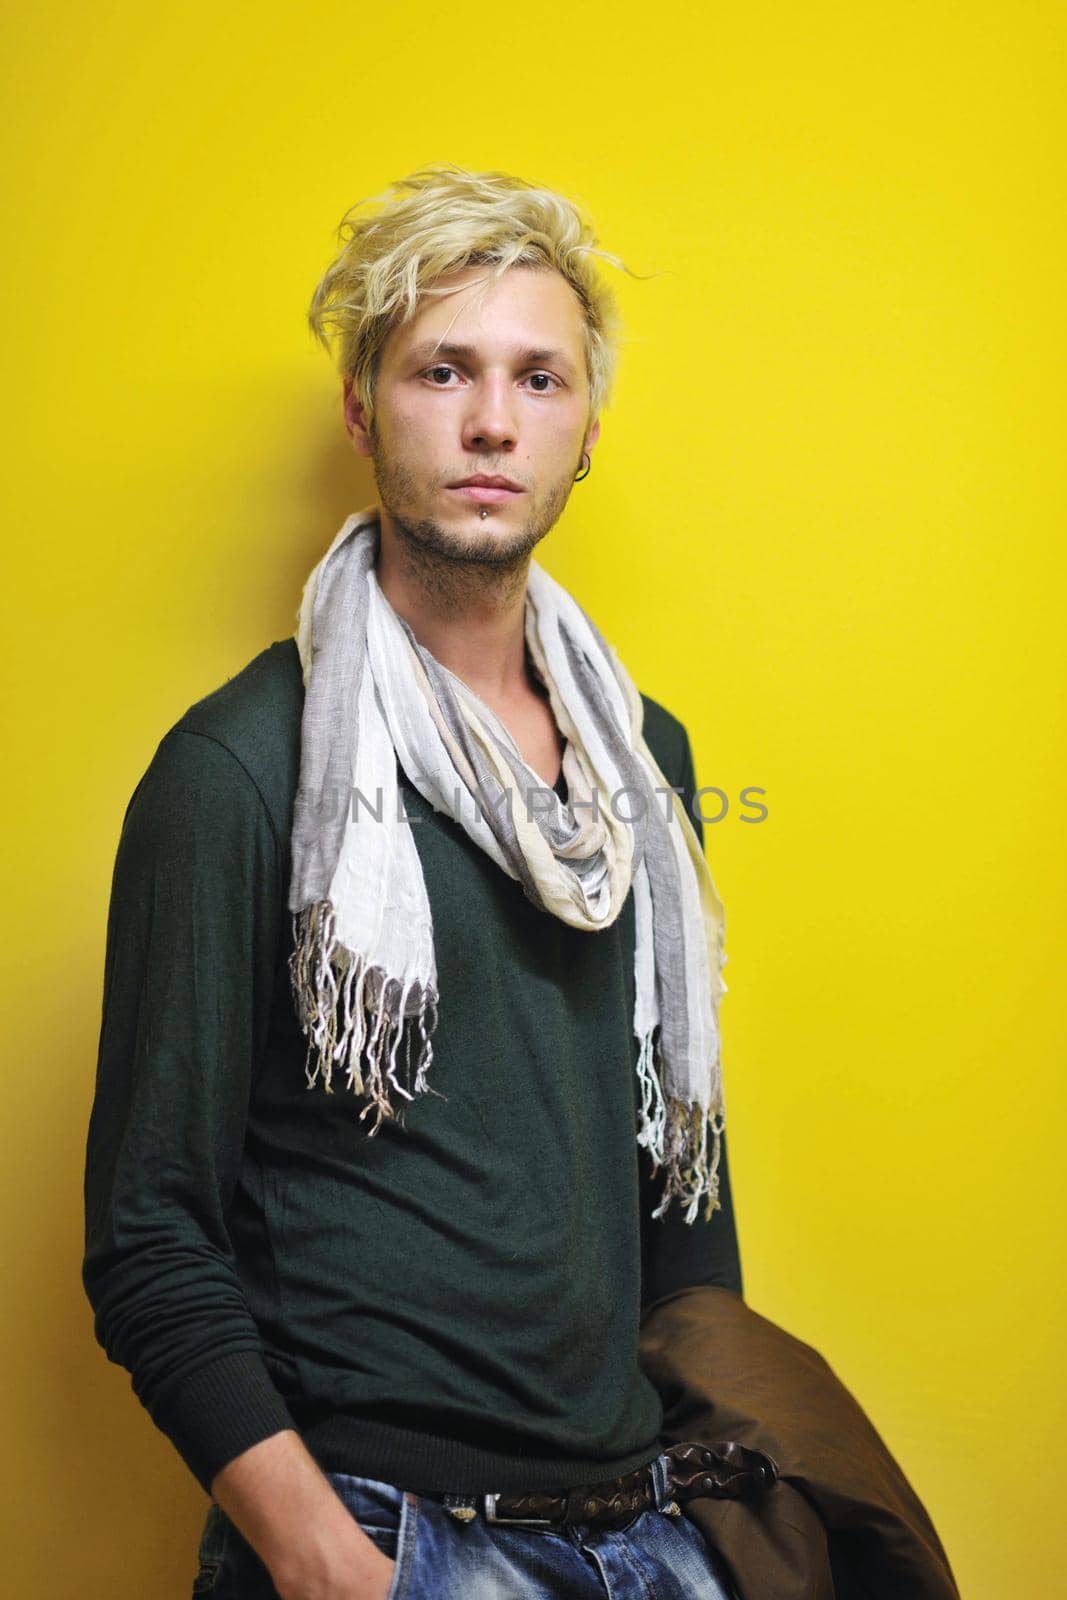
x,y
484,512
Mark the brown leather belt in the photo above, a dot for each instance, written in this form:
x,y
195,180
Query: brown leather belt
x,y
726,1471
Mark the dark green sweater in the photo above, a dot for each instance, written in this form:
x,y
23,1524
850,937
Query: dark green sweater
x,y
450,1305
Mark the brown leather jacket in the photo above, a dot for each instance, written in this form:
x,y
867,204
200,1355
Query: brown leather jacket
x,y
842,1522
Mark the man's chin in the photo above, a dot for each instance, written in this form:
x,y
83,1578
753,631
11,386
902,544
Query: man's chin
x,y
468,538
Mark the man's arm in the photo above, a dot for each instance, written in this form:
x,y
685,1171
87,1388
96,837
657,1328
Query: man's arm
x,y
196,911
286,1508
677,1254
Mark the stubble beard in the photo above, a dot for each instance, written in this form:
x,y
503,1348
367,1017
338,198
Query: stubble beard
x,y
444,558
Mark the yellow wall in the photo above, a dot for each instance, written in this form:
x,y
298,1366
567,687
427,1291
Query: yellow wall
x,y
820,525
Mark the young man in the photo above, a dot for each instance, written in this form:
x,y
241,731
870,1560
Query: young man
x,y
408,1096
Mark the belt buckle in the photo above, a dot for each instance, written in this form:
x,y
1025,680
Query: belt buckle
x,y
491,1515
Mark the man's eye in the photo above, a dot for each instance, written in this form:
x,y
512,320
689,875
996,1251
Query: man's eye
x,y
543,380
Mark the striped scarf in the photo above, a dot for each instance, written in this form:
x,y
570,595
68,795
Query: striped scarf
x,y
363,960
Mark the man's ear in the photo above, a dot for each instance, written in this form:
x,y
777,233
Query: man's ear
x,y
593,435
356,419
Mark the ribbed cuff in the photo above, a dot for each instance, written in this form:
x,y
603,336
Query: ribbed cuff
x,y
220,1410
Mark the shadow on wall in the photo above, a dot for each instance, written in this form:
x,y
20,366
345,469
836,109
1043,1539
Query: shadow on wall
x,y
331,482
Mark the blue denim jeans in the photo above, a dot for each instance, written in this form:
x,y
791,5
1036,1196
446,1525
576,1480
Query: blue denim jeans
x,y
656,1556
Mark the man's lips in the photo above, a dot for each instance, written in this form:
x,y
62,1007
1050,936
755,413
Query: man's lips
x,y
482,493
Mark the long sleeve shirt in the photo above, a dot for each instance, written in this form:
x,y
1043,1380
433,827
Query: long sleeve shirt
x,y
453,1304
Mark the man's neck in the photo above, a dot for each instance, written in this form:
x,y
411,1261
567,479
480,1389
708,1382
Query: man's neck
x,y
469,616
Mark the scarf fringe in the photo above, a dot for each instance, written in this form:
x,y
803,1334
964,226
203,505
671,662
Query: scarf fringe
x,y
676,1135
653,1111
329,983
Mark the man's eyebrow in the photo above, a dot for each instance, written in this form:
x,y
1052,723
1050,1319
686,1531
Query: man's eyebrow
x,y
527,356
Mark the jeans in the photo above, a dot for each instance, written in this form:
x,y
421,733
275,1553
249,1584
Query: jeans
x,y
656,1556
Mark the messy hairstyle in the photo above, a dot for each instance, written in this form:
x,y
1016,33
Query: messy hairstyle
x,y
442,219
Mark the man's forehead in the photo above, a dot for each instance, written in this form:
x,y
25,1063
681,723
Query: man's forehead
x,y
548,324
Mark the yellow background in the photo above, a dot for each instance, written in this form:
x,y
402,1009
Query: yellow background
x,y
822,525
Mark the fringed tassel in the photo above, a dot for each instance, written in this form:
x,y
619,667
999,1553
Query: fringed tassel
x,y
653,1111
353,1012
677,1138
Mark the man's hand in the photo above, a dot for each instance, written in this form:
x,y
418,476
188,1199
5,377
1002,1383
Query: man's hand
x,y
295,1521
341,1571
345,1575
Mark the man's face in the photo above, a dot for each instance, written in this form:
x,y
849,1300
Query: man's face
x,y
504,394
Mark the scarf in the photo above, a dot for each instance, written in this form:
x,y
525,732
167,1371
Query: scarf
x,y
363,967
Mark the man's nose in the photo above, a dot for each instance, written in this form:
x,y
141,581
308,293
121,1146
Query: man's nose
x,y
491,422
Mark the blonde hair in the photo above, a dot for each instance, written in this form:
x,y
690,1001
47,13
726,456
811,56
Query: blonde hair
x,y
440,220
